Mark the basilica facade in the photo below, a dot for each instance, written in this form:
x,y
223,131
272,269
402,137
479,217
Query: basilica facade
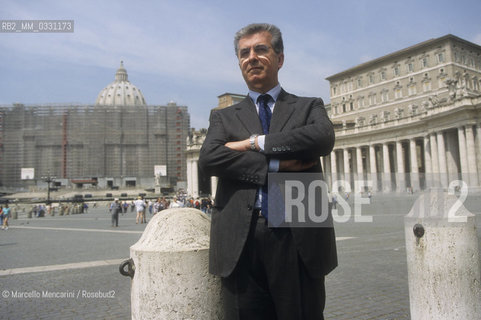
x,y
120,141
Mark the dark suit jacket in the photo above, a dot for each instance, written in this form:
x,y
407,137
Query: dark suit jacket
x,y
300,129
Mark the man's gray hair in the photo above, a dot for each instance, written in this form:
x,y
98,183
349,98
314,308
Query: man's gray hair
x,y
254,28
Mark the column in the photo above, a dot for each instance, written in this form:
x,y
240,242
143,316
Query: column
x,y
326,164
333,162
189,177
195,178
414,165
462,155
428,161
452,154
401,176
435,182
360,170
478,150
372,166
333,167
443,168
347,170
471,150
213,186
386,181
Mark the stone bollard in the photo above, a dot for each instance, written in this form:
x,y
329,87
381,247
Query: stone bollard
x,y
169,269
443,259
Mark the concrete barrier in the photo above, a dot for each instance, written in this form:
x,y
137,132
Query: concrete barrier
x,y
443,259
170,269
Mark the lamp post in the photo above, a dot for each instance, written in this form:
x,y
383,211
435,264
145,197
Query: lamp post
x,y
48,179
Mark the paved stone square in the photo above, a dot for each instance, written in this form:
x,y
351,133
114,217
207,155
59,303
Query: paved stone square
x,y
67,267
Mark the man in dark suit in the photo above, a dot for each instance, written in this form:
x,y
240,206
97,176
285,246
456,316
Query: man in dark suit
x,y
267,273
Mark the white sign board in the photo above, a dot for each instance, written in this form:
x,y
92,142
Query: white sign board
x,y
27,173
160,170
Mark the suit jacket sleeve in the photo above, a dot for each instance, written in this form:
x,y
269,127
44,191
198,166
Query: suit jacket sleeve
x,y
300,129
309,134
218,160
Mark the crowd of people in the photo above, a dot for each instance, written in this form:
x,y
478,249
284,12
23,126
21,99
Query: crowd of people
x,y
40,210
118,207
141,206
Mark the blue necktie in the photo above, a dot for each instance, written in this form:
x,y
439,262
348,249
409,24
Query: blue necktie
x,y
265,115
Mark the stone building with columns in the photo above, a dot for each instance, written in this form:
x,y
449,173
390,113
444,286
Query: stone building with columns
x,y
405,121
195,185
409,120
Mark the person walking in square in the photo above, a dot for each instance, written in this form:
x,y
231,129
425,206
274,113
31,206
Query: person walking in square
x,y
6,216
115,209
140,208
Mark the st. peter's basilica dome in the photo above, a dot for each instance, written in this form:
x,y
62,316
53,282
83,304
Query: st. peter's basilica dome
x,y
121,92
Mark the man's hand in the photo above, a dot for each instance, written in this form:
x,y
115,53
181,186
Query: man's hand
x,y
243,145
295,165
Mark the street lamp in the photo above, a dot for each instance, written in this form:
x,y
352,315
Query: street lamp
x,y
48,179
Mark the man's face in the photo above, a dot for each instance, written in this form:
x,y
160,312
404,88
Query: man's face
x,y
258,61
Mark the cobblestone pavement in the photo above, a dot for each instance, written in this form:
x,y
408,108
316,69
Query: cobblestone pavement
x,y
370,282
94,292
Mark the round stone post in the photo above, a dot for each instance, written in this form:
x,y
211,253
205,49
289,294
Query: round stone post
x,y
171,278
442,259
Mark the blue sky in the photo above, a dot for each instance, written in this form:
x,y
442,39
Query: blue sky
x,y
182,50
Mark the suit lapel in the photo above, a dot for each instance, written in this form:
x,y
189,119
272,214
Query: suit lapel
x,y
282,111
247,115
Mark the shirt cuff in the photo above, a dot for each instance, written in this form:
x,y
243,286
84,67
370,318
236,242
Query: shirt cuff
x,y
274,165
261,141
